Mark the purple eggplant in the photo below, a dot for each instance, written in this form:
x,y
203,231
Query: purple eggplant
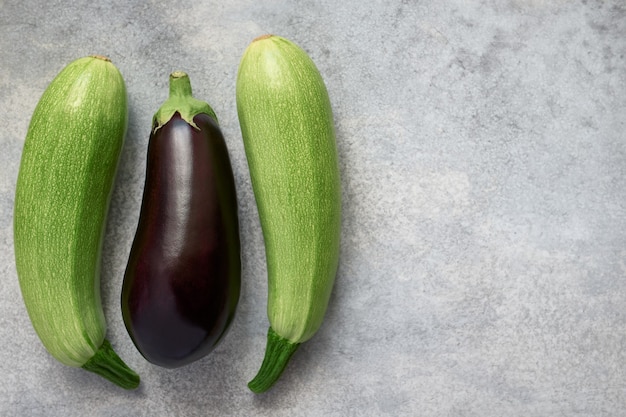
x,y
183,278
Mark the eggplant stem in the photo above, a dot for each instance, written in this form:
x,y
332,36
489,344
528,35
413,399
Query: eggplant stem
x,y
181,101
278,351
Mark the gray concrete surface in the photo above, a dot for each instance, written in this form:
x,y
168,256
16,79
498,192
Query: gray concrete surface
x,y
483,155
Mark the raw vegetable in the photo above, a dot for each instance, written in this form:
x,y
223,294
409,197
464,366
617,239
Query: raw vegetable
x,y
66,174
288,132
182,282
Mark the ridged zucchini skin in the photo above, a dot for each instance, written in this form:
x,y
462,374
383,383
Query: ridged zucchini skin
x,y
66,174
289,138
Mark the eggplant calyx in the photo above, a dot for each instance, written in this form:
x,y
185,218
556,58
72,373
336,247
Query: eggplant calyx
x,y
182,102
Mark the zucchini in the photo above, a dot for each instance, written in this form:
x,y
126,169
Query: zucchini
x,y
288,132
66,174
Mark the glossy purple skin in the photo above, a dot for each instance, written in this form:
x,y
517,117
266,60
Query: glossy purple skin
x,y
182,282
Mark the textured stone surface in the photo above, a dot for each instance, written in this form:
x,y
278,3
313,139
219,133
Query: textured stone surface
x,y
483,155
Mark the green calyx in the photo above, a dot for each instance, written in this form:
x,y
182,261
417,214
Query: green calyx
x,y
107,364
182,102
277,354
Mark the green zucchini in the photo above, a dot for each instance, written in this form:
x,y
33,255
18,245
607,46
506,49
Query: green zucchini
x,y
66,174
289,138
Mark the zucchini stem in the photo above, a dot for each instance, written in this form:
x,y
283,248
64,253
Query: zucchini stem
x,y
107,364
102,57
278,351
260,38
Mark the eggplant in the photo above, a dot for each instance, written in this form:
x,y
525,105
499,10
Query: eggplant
x,y
182,282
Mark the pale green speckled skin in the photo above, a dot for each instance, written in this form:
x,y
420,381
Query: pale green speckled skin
x,y
288,132
67,170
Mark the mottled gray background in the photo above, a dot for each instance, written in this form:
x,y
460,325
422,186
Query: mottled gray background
x,y
483,155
